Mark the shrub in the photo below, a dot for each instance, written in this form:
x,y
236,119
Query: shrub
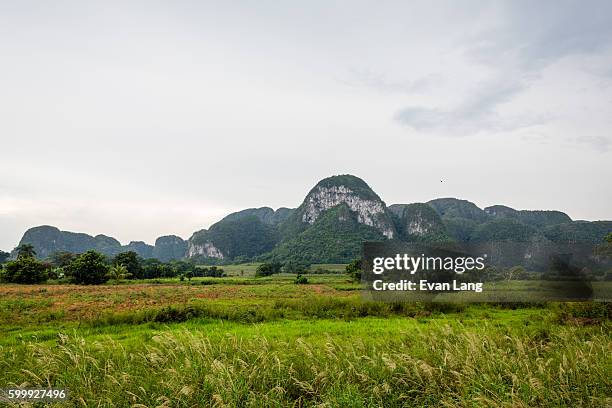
x,y
267,269
212,272
4,256
25,270
132,263
89,268
301,279
354,270
295,267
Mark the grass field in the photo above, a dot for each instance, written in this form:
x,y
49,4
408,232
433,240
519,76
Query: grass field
x,y
245,341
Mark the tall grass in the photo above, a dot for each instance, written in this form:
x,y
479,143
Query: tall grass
x,y
304,308
437,365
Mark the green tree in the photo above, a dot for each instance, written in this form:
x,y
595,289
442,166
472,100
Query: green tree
x,y
295,267
354,270
118,272
132,262
89,268
4,256
267,269
61,259
604,251
25,251
25,270
212,272
182,267
515,273
301,279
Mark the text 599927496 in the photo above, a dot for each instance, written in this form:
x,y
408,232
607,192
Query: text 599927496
x,y
33,394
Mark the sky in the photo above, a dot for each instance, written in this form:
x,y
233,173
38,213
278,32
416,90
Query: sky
x,y
141,119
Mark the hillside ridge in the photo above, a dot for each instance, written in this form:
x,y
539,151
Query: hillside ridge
x,y
336,215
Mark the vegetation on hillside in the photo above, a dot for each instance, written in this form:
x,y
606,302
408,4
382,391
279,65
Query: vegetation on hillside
x,y
262,234
246,236
335,237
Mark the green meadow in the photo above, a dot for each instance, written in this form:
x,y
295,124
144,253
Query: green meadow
x,y
242,341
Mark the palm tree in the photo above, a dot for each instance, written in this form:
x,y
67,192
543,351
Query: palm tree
x,y
25,251
118,272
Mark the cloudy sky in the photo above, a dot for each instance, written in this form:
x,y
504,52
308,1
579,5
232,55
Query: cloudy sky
x,y
138,119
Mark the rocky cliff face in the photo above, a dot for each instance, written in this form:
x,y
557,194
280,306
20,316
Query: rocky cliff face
x,y
335,218
169,247
418,221
369,209
142,249
206,249
369,212
241,237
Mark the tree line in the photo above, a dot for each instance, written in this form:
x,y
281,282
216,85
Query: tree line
x,y
94,268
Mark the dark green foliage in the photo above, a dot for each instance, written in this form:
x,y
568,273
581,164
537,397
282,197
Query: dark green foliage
x,y
267,269
4,256
182,267
212,272
579,232
418,222
336,237
153,268
132,262
169,247
265,214
505,229
604,250
596,311
537,218
543,218
460,229
321,271
300,279
244,237
61,259
25,269
460,217
354,269
25,251
89,268
455,208
295,267
143,250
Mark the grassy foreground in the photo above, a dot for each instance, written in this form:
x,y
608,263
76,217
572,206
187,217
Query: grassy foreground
x,y
273,343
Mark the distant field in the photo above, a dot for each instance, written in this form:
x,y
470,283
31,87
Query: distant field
x,y
248,269
245,341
